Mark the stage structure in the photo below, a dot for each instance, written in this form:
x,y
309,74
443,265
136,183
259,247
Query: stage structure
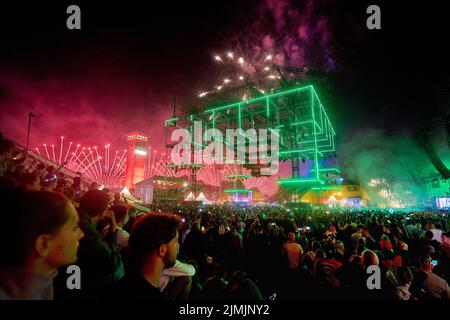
x,y
136,156
239,194
306,135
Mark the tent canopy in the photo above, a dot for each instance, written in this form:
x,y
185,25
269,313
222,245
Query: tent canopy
x,y
190,197
201,197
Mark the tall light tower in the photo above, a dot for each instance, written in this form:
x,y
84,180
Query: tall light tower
x,y
136,157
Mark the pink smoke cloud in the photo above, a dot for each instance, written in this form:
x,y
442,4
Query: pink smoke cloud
x,y
89,114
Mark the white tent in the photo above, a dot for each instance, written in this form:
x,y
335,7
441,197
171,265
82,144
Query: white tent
x,y
201,197
332,200
190,197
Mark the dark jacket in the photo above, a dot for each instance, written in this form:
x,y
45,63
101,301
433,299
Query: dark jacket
x,y
135,287
99,261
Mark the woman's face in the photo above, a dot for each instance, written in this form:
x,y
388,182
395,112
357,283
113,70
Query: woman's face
x,y
64,243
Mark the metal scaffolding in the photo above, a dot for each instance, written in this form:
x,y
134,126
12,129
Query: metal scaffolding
x,y
296,115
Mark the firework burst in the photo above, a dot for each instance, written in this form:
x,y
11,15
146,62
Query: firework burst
x,y
106,168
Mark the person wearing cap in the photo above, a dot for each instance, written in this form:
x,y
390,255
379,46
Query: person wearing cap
x,y
153,247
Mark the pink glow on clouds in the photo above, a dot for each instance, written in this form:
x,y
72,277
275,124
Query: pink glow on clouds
x,y
87,113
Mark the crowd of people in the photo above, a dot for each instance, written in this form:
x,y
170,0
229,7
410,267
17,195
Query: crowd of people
x,y
183,251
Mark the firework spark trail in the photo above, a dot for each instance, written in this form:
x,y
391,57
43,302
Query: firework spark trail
x,y
99,165
108,176
159,168
147,167
115,172
203,174
168,170
53,152
74,153
153,164
88,166
109,168
76,167
88,160
60,150
106,156
81,166
290,35
160,159
155,169
94,168
208,175
46,150
68,150
257,71
165,169
103,167
217,176
117,167
113,176
100,169
83,158
107,172
120,175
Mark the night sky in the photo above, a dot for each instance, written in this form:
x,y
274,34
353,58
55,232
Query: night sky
x,y
121,71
